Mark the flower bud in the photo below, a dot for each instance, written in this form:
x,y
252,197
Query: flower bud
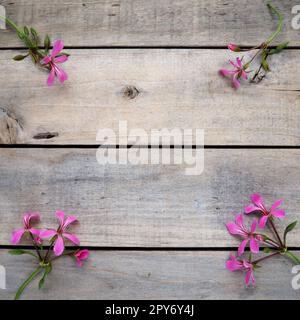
x,y
233,47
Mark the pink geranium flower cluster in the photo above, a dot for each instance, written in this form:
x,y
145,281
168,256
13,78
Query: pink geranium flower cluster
x,y
54,239
262,52
254,238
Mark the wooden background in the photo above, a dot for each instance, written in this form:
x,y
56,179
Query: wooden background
x,y
153,231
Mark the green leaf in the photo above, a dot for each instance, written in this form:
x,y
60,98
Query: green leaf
x,y
47,43
34,36
26,31
18,252
27,282
264,62
288,229
279,48
293,257
265,65
33,32
20,57
48,269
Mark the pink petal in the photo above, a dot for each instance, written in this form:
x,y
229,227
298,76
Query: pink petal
x,y
60,215
28,216
244,75
57,47
254,225
59,246
233,64
233,264
242,246
254,245
51,77
61,74
263,221
72,238
79,263
46,60
247,264
225,72
233,47
46,234
257,200
239,62
69,220
278,213
16,236
235,82
248,277
34,231
83,254
61,59
251,208
233,228
239,220
276,204
38,240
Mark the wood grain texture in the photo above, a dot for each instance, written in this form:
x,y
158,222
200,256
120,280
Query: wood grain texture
x,y
150,89
150,275
151,22
145,205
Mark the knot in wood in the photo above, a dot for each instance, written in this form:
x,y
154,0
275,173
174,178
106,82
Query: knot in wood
x,y
130,92
10,127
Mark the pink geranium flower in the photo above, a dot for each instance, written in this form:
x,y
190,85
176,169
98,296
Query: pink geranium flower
x,y
17,234
238,228
53,60
258,205
80,256
236,74
233,264
60,234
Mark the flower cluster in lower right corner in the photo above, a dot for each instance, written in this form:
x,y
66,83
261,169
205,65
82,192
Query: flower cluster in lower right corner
x,y
274,244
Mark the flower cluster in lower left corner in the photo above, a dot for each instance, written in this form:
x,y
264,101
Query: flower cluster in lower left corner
x,y
49,245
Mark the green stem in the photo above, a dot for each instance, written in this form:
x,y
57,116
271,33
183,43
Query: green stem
x,y
12,24
276,233
27,281
280,23
49,249
36,248
292,257
264,258
19,31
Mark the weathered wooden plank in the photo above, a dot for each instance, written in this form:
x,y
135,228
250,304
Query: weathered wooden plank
x,y
175,89
145,205
150,275
151,23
